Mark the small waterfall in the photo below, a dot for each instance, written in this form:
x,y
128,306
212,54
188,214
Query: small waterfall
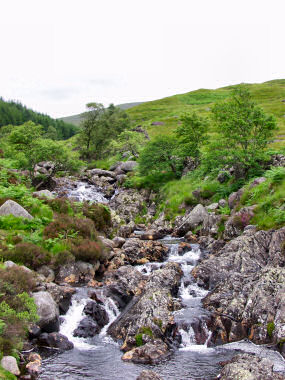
x,y
113,313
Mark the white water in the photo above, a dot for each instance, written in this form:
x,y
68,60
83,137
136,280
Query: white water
x,y
85,192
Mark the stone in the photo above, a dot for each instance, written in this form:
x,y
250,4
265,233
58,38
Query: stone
x,y
257,181
223,203
61,294
13,208
44,194
157,123
118,241
33,367
97,313
47,311
136,249
192,220
149,353
212,207
9,363
151,235
55,340
127,203
101,173
47,272
234,198
76,273
87,328
128,166
148,375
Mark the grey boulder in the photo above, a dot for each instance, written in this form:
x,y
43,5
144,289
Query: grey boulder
x,y
13,208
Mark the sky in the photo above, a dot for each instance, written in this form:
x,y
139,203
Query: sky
x,y
58,55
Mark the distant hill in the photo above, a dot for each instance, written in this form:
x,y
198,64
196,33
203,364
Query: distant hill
x,y
162,116
16,114
76,119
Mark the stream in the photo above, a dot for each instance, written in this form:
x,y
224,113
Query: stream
x,y
99,358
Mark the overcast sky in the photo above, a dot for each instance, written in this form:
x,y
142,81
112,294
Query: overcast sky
x,y
58,55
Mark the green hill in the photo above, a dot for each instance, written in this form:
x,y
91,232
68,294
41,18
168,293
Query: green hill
x,y
76,119
15,113
165,113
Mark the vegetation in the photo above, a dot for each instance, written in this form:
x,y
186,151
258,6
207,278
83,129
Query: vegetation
x,y
14,113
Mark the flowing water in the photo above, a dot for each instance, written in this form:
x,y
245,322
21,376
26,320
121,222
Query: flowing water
x,y
99,358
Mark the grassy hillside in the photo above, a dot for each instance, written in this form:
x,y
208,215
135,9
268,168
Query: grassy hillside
x,y
76,119
268,95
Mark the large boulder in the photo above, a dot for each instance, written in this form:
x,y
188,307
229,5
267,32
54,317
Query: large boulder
x,y
9,363
61,294
128,203
149,314
97,313
55,340
87,328
247,278
128,166
47,311
249,367
101,173
137,251
76,273
44,194
149,353
13,208
191,220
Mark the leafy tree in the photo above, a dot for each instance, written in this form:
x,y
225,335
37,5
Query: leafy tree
x,y
30,148
243,132
99,127
128,141
160,155
191,134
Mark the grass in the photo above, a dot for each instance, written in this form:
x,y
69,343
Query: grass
x,y
268,95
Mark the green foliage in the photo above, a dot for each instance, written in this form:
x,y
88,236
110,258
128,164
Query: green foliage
x,y
65,227
99,127
192,134
10,222
139,340
243,131
100,215
15,113
128,141
270,328
6,375
159,156
88,250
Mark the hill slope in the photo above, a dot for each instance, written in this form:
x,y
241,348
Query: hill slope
x,y
166,112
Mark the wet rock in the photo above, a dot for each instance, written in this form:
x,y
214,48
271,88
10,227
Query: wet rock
x,y
138,251
151,235
33,366
13,208
61,294
87,328
149,375
249,367
55,340
47,311
149,353
76,273
248,298
9,363
97,313
151,312
183,248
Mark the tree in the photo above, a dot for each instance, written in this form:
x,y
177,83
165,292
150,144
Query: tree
x,y
99,127
30,148
128,141
191,134
160,155
243,132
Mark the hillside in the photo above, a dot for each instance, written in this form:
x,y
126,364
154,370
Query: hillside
x,y
76,119
269,95
16,114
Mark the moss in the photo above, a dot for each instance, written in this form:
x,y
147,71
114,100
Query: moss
x,y
139,341
5,375
146,330
158,322
270,328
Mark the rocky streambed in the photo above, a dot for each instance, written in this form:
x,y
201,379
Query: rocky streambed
x,y
170,307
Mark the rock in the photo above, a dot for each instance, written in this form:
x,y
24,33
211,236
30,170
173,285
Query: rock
x,y
151,235
278,160
13,208
247,279
157,123
44,194
101,173
135,250
192,220
223,176
9,363
121,178
234,198
107,242
34,331
97,313
149,353
118,242
61,294
55,340
162,224
128,166
76,273
47,311
87,328
9,264
257,181
47,272
126,230
237,222
150,312
249,367
223,203
210,226
148,375
128,204
34,365
212,207
123,284
189,165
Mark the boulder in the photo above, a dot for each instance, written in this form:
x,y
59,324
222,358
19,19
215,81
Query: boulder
x,y
149,353
101,173
9,363
128,203
150,313
34,365
237,222
97,313
87,328
151,235
76,273
44,194
148,375
47,311
55,340
118,242
234,198
137,251
212,207
13,208
62,295
222,203
249,367
192,220
128,166
47,272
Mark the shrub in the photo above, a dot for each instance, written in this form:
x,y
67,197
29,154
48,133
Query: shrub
x,y
68,227
100,215
63,257
28,254
60,205
88,250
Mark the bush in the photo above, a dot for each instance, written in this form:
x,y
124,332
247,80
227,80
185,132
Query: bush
x,y
100,215
60,205
87,250
63,257
28,254
68,227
